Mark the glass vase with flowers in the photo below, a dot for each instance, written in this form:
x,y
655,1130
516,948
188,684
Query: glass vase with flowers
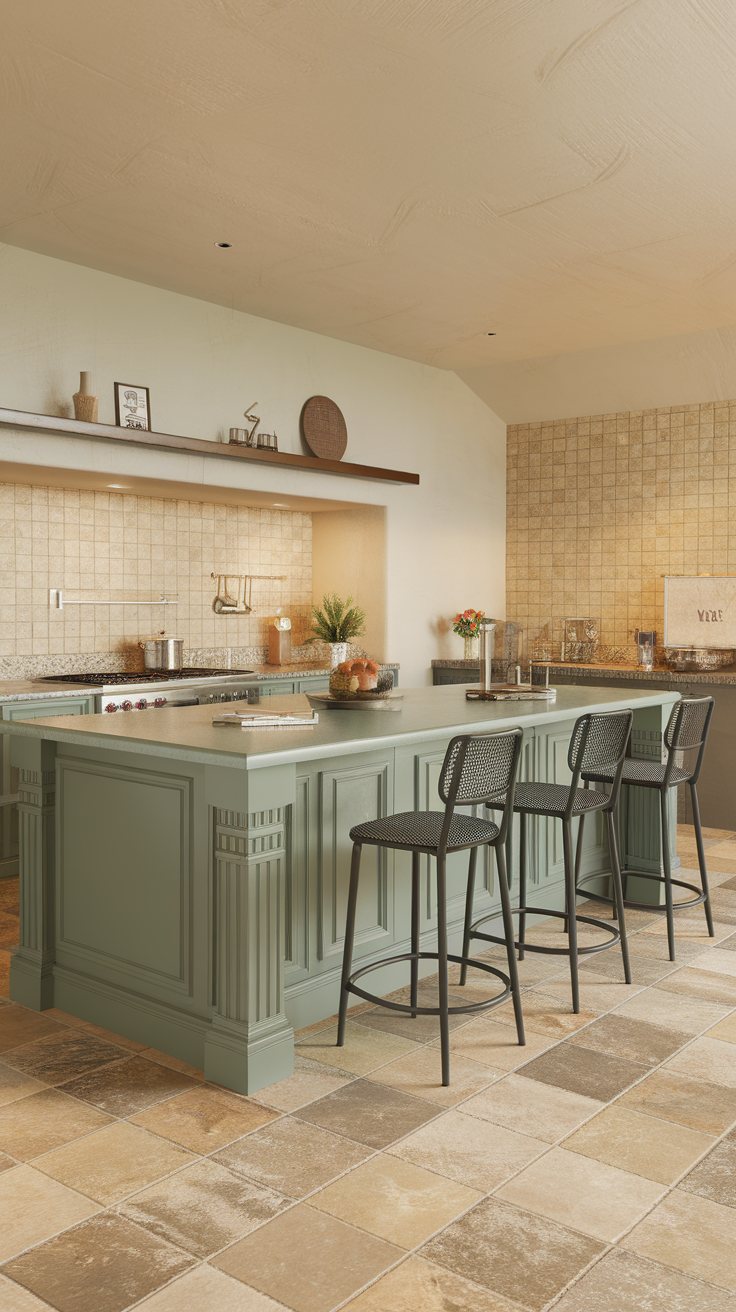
x,y
468,624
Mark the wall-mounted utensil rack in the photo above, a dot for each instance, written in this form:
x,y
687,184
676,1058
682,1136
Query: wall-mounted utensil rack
x,y
58,601
224,604
222,450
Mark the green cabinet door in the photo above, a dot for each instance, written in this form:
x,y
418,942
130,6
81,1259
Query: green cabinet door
x,y
48,706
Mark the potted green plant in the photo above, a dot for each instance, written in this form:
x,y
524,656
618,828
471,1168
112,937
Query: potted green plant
x,y
337,622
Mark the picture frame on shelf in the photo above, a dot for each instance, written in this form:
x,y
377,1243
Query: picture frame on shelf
x,y
132,407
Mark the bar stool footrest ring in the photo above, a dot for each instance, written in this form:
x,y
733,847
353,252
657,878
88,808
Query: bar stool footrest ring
x,y
352,987
615,936
697,901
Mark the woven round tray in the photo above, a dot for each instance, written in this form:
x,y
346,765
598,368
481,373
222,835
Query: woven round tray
x,y
324,428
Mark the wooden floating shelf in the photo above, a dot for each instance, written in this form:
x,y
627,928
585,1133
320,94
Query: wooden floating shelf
x,y
222,450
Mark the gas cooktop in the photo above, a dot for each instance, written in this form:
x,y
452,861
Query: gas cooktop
x,y
108,678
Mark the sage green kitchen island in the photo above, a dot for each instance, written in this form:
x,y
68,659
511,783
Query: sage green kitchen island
x,y
184,884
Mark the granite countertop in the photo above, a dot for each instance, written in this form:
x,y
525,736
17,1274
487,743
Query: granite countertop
x,y
188,732
725,675
23,690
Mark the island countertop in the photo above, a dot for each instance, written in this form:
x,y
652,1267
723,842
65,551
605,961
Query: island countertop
x,y
187,732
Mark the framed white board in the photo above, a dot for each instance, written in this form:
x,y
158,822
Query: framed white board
x,y
700,612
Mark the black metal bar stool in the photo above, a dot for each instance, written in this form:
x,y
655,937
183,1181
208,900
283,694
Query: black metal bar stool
x,y
685,736
598,740
475,768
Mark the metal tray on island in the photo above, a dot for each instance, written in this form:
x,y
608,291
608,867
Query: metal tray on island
x,y
388,702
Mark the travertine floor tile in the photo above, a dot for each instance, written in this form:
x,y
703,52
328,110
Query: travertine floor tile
x,y
719,960
364,1049
587,1195
420,1029
543,1014
509,1251
643,1145
707,1059
657,949
14,1085
725,1030
622,1282
420,1286
420,1073
495,1044
14,1298
43,1121
694,928
34,1207
715,1176
129,1086
395,1200
19,1026
531,1107
107,1036
676,1097
369,1113
203,1208
671,1011
206,1290
112,1162
292,1156
625,1036
581,1070
705,984
643,970
595,998
308,1082
474,1152
106,1254
173,1063
691,1234
307,1259
204,1119
62,1056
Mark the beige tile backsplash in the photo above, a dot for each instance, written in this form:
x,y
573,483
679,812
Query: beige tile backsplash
x,y
602,506
107,545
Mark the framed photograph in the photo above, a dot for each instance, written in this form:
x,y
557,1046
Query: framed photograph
x,y
132,407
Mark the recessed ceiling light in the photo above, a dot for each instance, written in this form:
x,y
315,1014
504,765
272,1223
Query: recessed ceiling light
x,y
118,485
280,505
224,245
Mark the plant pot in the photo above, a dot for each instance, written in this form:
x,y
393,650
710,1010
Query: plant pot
x,y
338,654
472,648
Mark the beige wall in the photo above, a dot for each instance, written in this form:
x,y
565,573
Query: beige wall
x,y
349,558
601,507
106,545
445,540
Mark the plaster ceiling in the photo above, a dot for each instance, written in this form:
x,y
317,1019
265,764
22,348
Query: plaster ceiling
x,y
408,175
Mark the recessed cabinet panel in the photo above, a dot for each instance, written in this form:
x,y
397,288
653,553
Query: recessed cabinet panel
x,y
299,846
114,826
350,797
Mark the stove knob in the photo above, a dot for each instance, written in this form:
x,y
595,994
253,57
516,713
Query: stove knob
x,y
141,705
224,697
126,706
111,707
160,701
212,697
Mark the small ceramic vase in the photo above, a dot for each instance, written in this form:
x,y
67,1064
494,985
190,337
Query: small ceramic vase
x,y
85,405
472,648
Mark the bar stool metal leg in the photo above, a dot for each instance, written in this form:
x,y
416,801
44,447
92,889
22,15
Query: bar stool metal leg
x,y
444,998
347,958
522,883
508,930
469,897
572,924
618,893
415,895
701,858
667,873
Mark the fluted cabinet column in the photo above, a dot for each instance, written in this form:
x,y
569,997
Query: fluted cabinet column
x,y
250,1043
31,980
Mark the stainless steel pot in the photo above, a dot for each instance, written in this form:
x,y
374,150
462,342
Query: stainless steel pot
x,y
162,654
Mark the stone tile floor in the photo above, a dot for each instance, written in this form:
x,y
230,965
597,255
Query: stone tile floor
x,y
591,1171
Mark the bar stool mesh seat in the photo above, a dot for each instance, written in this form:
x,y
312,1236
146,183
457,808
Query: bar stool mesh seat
x,y
476,768
684,739
423,829
598,742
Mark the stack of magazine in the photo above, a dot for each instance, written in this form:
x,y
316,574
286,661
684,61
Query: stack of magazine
x,y
268,719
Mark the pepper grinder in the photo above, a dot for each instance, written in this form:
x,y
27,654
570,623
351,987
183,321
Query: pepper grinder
x,y
85,404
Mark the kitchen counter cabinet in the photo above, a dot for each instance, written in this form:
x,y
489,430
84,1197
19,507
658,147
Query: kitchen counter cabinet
x,y
185,884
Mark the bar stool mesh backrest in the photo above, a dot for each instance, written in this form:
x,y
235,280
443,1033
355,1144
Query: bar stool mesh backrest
x,y
598,743
476,768
686,734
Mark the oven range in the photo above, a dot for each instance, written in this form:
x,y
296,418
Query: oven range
x,y
134,691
